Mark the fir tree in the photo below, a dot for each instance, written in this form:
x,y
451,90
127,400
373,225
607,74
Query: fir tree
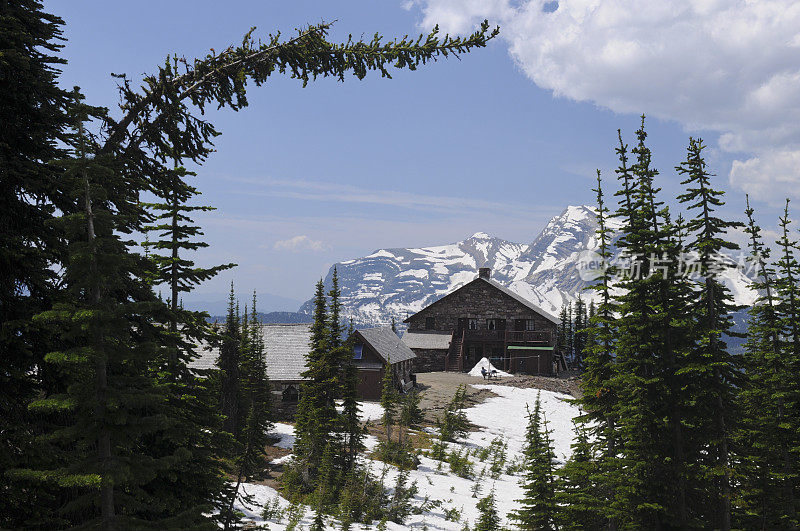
x,y
598,383
316,412
538,508
258,418
713,367
488,519
389,400
110,405
177,235
33,113
229,364
579,332
577,503
649,350
768,464
353,433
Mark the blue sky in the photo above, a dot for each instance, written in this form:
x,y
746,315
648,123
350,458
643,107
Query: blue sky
x,y
498,142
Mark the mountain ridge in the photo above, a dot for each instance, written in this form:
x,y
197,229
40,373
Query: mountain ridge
x,y
394,283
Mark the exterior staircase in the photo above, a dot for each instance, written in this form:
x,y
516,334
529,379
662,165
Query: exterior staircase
x,y
455,354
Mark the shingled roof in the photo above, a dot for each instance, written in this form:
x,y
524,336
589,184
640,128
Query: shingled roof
x,y
386,343
427,340
286,349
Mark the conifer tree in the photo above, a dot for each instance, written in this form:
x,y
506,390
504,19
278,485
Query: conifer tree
x,y
317,417
33,114
389,401
649,351
538,508
229,363
768,464
488,520
598,383
577,503
110,405
177,235
713,367
198,475
579,333
353,433
256,410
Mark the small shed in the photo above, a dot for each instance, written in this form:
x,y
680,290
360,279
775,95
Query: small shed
x,y
373,350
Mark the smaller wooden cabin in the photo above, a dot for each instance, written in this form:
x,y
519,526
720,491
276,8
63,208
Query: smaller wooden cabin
x,y
375,349
285,355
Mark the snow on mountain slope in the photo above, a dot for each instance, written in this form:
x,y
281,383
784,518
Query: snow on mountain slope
x,y
395,283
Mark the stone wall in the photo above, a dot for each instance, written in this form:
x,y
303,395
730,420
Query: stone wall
x,y
477,300
429,360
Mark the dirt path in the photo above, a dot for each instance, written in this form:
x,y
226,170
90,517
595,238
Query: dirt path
x,y
437,388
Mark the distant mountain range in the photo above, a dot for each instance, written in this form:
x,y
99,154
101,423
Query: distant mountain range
x,y
395,283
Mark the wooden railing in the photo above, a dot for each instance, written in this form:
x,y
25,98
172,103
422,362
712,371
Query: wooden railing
x,y
509,336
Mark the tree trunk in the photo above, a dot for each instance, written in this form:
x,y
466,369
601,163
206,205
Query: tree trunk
x,y
101,387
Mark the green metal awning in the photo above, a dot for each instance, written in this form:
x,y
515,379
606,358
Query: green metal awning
x,y
514,347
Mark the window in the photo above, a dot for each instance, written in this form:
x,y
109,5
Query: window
x,y
358,352
430,323
530,324
289,394
491,324
473,324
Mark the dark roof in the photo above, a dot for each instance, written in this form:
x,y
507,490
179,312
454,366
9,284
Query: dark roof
x,y
386,343
286,349
427,340
516,296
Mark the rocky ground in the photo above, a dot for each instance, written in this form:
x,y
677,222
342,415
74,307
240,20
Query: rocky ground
x,y
438,388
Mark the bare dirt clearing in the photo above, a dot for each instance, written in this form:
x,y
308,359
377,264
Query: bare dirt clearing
x,y
438,388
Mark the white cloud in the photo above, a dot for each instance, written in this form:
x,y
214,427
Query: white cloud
x,y
300,243
729,66
343,193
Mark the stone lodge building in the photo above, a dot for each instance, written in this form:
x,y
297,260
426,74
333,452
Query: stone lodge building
x,y
483,319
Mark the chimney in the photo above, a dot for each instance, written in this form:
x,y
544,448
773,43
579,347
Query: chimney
x,y
484,272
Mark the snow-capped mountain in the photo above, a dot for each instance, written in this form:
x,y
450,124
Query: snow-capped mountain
x,y
399,282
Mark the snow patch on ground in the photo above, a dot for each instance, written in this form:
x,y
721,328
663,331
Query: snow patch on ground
x,y
486,364
285,432
506,416
503,416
